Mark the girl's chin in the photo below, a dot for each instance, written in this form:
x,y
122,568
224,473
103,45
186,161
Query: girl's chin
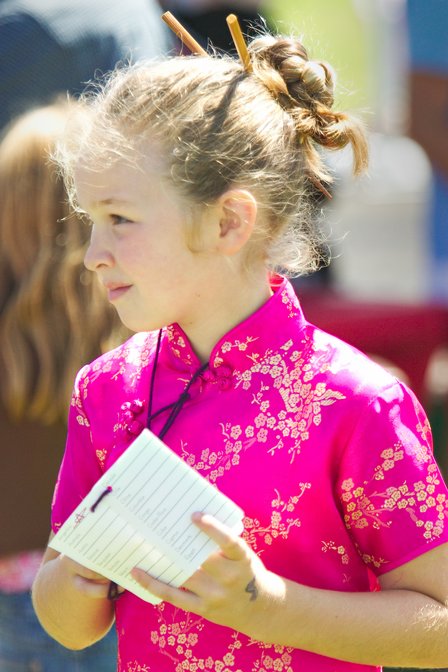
x,y
137,324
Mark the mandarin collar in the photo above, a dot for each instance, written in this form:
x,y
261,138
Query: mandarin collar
x,y
267,329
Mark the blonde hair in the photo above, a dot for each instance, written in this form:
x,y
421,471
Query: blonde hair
x,y
221,127
53,317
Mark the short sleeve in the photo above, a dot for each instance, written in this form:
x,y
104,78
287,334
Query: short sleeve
x,y
80,468
393,497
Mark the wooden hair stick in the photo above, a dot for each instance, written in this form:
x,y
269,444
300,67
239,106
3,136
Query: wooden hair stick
x,y
183,34
318,184
238,39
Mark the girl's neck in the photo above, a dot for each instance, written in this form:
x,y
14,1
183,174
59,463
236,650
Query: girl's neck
x,y
233,304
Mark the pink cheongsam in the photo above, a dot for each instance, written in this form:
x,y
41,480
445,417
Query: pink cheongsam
x,y
328,455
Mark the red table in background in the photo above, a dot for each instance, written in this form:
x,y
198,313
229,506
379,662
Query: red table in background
x,y
407,335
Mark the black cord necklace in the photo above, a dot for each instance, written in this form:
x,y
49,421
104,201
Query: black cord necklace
x,y
176,406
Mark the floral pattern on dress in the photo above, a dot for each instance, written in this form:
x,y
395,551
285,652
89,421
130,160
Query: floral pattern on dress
x,y
227,346
277,658
77,399
280,524
367,504
422,428
213,464
340,550
178,344
177,640
369,559
292,375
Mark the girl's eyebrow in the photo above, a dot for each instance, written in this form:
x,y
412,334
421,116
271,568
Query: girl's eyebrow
x,y
110,201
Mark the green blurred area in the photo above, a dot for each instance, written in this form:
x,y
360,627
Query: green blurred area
x,y
331,31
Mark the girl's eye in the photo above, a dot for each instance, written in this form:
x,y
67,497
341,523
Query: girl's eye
x,y
118,219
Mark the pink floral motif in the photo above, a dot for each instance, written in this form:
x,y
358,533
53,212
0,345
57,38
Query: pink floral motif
x,y
214,464
302,401
101,456
177,642
365,507
279,525
178,344
340,550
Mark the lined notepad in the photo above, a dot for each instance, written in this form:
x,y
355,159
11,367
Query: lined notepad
x,y
144,520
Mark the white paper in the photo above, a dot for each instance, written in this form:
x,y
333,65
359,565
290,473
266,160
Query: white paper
x,y
145,520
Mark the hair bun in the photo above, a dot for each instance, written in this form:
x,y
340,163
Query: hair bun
x,y
283,66
305,89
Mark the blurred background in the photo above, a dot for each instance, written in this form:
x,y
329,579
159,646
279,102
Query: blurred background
x,y
385,290
378,226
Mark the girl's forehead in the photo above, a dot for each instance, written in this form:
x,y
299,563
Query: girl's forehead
x,y
93,180
117,159
121,180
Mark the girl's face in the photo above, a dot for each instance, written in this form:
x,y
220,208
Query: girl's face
x,y
139,246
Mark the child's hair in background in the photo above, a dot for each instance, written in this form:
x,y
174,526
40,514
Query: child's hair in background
x,y
53,317
220,127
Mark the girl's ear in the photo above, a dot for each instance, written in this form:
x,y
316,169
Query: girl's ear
x,y
237,214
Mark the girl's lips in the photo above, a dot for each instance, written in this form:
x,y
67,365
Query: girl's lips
x,y
114,293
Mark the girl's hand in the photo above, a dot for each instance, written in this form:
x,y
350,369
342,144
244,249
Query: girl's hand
x,y
232,587
86,581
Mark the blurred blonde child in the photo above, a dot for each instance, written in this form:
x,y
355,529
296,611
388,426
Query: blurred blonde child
x,y
53,318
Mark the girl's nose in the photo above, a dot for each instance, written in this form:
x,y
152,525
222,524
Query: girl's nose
x,y
98,254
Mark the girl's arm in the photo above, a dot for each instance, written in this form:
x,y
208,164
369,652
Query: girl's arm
x,y
405,625
71,601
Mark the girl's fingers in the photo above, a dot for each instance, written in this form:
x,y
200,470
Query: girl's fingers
x,y
220,575
183,599
231,545
95,589
75,568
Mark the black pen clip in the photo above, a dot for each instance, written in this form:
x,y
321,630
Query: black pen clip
x,y
102,496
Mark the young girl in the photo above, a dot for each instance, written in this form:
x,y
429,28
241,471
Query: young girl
x,y
199,178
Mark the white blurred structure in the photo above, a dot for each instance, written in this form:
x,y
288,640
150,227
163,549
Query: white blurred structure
x,y
377,223
386,37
